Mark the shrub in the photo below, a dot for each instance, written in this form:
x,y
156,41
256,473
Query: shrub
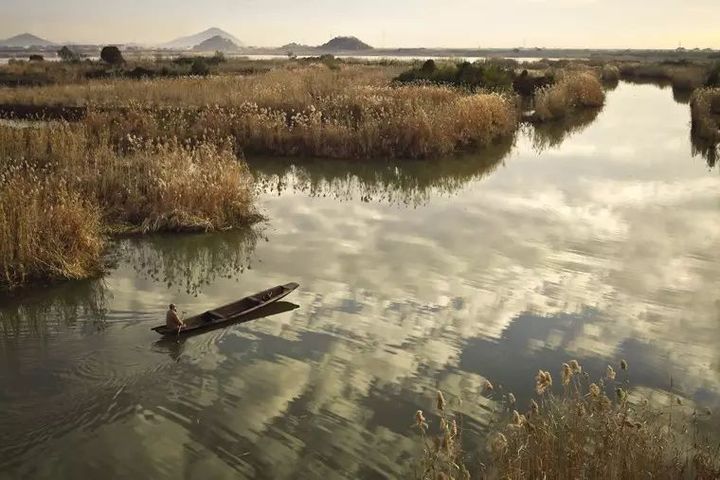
x,y
573,91
610,73
111,55
68,55
199,67
705,113
469,75
36,58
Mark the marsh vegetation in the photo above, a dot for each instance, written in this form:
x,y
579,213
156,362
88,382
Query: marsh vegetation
x,y
163,149
583,426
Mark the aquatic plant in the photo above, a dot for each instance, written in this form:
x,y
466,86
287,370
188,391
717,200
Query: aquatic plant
x,y
61,192
705,111
593,429
572,91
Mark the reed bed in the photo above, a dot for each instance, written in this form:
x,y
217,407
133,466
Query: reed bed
x,y
572,91
312,111
705,111
595,429
686,77
62,191
46,230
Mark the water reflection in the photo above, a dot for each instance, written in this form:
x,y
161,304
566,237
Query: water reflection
x,y
43,311
190,261
410,183
553,134
709,151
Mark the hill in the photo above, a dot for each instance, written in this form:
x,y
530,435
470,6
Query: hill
x,y
217,44
191,41
344,44
25,40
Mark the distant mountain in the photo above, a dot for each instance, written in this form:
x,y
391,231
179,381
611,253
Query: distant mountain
x,y
344,44
192,40
295,46
25,40
217,44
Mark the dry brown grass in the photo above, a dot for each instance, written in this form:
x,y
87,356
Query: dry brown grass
x,y
595,429
610,73
705,110
575,90
46,230
61,189
312,111
682,77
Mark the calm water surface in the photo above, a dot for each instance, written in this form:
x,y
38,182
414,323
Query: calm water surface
x,y
596,240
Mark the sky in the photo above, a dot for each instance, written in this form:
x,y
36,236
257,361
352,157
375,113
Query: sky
x,y
381,23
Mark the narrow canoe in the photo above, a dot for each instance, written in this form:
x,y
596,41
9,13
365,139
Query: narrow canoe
x,y
230,312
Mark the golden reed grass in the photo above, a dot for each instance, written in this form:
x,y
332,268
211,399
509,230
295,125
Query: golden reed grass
x,y
594,430
61,191
705,112
572,91
682,77
311,111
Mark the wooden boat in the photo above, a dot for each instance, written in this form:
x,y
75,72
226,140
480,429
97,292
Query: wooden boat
x,y
230,312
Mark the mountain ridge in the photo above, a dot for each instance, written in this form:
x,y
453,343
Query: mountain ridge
x,y
193,40
25,40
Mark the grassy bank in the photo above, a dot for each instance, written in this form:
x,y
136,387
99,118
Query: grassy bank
x,y
580,427
62,192
571,92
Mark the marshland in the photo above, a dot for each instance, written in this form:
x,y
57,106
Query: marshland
x,y
453,225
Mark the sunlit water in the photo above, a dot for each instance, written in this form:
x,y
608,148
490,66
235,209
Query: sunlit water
x,y
596,240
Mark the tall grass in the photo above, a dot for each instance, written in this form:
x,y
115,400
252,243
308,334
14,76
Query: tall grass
x,y
46,230
595,429
312,111
62,190
686,77
572,91
705,111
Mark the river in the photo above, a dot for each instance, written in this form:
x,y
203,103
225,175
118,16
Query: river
x,y
595,239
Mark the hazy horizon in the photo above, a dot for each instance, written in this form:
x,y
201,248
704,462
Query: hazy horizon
x,y
662,24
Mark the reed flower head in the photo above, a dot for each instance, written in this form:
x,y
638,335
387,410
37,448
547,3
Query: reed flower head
x,y
610,373
594,390
420,420
621,394
575,367
487,386
566,374
440,401
511,399
543,381
534,408
623,365
498,443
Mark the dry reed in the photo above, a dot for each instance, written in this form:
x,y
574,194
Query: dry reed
x,y
572,91
705,111
594,429
312,111
61,189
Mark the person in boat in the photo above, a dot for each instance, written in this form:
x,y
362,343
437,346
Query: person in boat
x,y
172,320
